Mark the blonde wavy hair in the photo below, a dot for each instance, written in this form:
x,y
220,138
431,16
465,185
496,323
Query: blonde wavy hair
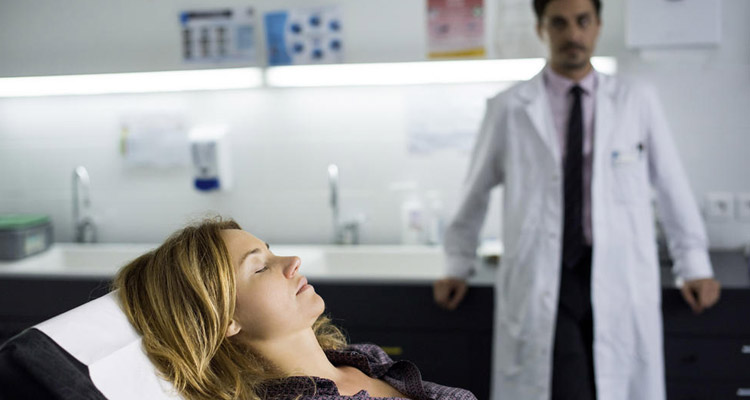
x,y
180,298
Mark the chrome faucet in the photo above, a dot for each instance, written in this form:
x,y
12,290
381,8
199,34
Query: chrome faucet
x,y
333,186
344,231
85,230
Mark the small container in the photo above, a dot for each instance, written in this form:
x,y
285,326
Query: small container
x,y
435,223
412,221
22,235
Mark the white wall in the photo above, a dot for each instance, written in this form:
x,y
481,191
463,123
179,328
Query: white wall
x,y
283,139
706,94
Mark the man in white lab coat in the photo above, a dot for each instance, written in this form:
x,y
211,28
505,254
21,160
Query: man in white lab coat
x,y
580,155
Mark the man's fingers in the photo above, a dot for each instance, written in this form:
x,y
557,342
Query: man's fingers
x,y
701,293
457,295
441,294
448,293
709,294
689,296
716,292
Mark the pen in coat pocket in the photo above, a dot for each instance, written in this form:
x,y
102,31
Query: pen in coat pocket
x,y
624,157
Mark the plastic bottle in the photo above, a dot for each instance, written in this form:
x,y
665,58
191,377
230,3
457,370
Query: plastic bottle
x,y
435,220
412,220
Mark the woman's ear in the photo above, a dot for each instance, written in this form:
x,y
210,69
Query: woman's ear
x,y
233,328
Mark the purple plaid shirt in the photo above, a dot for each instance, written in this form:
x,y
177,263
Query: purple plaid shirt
x,y
373,361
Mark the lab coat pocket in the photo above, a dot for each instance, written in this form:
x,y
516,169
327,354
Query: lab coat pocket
x,y
513,355
627,178
513,292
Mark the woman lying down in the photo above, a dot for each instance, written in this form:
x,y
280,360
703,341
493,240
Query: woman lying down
x,y
222,317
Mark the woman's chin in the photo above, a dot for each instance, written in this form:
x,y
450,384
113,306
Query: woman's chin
x,y
321,304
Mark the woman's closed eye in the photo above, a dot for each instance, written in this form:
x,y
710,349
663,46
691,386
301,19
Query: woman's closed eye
x,y
265,267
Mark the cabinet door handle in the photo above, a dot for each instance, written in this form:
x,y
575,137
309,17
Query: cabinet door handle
x,y
746,349
393,350
743,392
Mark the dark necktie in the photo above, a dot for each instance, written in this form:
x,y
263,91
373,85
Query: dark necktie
x,y
573,242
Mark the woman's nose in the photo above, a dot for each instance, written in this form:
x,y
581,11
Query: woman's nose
x,y
291,266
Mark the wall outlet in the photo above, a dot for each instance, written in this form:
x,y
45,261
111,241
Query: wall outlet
x,y
743,207
719,206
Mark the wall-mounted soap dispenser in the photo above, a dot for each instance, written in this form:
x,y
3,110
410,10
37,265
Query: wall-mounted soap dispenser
x,y
210,155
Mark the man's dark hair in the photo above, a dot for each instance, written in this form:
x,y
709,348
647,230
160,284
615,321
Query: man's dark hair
x,y
540,5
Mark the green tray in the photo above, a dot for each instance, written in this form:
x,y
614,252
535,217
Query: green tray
x,y
22,221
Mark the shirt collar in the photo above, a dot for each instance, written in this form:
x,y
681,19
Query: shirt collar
x,y
561,85
374,363
309,386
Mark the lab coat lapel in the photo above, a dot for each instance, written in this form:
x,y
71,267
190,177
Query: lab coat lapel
x,y
604,123
603,120
536,104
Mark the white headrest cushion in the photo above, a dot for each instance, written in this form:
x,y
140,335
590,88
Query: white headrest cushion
x,y
99,335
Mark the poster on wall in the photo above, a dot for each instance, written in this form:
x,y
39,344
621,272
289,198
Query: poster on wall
x,y
455,28
218,35
446,118
660,23
154,139
304,36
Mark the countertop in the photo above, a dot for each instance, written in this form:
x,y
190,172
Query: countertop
x,y
731,269
326,263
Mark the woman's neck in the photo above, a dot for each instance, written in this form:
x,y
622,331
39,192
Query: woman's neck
x,y
299,354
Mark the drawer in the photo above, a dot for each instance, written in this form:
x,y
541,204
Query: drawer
x,y
40,298
707,390
707,358
405,306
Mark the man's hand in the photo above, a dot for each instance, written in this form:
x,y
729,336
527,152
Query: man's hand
x,y
701,293
449,292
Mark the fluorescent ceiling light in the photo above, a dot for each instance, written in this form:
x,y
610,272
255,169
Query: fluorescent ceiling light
x,y
407,73
415,73
137,82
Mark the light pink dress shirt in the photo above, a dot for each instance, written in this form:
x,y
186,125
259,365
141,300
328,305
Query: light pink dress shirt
x,y
561,102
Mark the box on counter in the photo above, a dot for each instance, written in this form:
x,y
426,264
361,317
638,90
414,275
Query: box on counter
x,y
22,235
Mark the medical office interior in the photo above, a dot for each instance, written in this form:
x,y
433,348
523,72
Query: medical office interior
x,y
357,177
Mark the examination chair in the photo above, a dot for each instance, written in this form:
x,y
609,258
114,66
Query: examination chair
x,y
89,352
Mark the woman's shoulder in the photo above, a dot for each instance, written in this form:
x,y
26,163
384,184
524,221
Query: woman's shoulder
x,y
373,352
367,357
440,392
381,362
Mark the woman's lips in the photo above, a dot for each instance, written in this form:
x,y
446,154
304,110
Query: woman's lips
x,y
303,285
307,286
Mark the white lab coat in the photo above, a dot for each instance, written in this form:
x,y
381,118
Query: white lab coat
x,y
634,159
